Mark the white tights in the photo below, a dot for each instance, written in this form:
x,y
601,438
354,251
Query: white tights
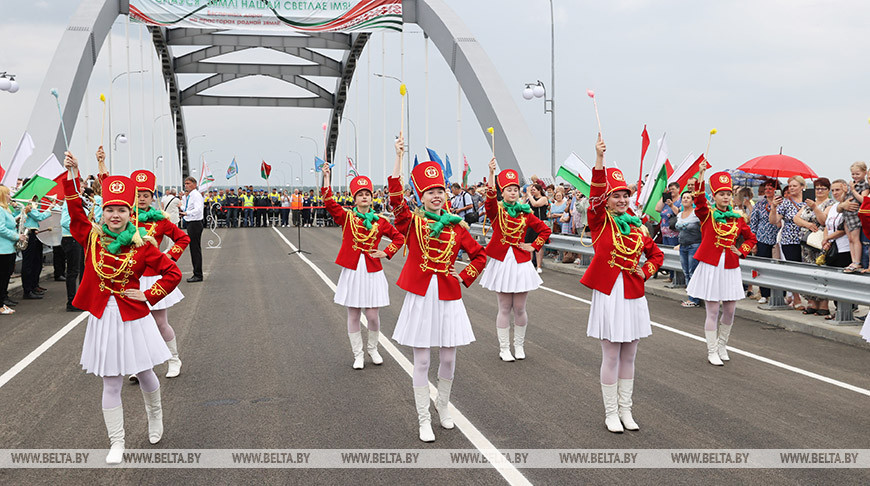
x,y
617,361
162,318
446,365
353,319
508,302
728,309
112,387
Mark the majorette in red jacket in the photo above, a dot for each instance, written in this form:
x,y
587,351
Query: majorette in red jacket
x,y
864,215
356,239
106,275
146,181
616,253
429,256
720,237
508,232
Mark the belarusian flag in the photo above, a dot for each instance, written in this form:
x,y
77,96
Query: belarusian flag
x,y
265,170
37,186
466,170
576,173
687,170
658,182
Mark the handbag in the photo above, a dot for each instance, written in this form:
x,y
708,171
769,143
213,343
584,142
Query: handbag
x,y
813,239
827,255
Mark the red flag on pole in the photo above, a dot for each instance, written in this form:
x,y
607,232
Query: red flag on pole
x,y
644,145
265,170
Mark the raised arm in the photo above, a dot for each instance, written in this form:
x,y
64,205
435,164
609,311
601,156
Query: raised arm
x,y
400,154
400,208
597,212
80,226
338,213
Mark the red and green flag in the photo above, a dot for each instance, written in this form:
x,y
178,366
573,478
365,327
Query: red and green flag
x,y
265,170
466,170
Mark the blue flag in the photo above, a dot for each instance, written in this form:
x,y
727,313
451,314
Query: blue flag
x,y
448,169
233,169
445,170
318,164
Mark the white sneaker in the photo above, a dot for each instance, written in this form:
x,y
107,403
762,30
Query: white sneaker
x,y
540,270
762,300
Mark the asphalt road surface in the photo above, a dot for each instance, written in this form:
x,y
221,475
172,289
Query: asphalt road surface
x,y
267,365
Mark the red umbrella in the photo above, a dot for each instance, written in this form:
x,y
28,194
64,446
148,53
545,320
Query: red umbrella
x,y
778,166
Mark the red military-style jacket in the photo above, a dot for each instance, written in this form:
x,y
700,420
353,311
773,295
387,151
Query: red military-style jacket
x,y
720,237
164,227
616,253
356,239
108,275
864,215
429,256
508,232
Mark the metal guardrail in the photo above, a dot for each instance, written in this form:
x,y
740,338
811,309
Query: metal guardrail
x,y
780,276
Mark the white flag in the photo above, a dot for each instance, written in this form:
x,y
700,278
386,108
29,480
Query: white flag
x,y
207,178
50,169
578,167
22,153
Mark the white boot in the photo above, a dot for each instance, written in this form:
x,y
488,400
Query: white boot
x,y
724,332
421,399
611,408
373,347
713,348
624,389
356,345
504,344
154,411
114,418
174,363
519,341
442,402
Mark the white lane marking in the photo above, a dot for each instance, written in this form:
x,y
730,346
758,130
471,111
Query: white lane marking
x,y
772,362
508,471
30,358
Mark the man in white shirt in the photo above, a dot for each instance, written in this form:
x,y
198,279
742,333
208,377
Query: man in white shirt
x,y
192,212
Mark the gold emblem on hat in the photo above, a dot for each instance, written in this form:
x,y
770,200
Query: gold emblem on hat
x,y
617,176
723,179
141,177
511,175
117,187
431,172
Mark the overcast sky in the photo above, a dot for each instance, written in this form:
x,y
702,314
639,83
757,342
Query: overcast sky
x,y
765,73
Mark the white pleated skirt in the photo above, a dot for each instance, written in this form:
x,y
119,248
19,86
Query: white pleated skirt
x,y
116,347
508,276
716,283
362,289
173,298
427,322
617,319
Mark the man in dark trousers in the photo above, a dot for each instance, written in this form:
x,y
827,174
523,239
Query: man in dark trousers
x,y
231,202
192,212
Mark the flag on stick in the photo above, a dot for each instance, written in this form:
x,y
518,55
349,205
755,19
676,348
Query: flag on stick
x,y
576,173
22,153
657,183
233,169
687,169
351,170
37,187
265,170
207,178
466,170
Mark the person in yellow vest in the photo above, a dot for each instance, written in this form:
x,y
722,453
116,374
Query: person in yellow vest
x,y
296,207
248,208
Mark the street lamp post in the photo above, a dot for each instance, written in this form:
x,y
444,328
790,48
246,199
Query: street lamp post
x,y
118,138
538,90
301,164
152,132
315,153
111,104
355,151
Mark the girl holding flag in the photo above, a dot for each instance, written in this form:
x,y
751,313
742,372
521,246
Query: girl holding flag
x,y
121,336
362,286
717,278
509,271
619,315
158,226
432,314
